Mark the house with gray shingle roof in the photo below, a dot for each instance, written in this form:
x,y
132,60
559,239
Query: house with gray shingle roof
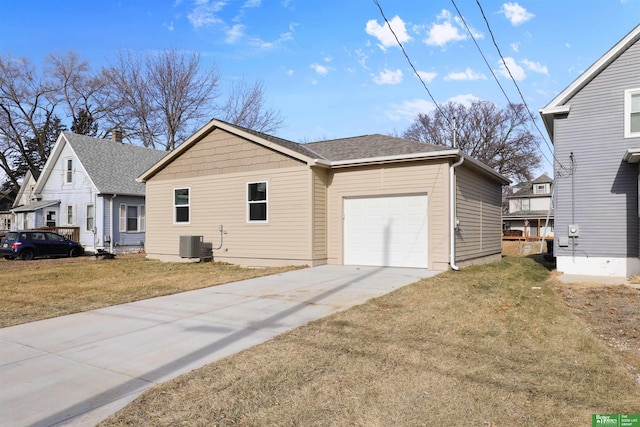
x,y
260,200
531,208
90,183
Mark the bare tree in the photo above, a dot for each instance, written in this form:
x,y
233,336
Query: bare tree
x,y
27,104
82,94
246,106
498,137
164,95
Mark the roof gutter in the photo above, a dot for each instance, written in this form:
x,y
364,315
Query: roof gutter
x,y
381,159
452,214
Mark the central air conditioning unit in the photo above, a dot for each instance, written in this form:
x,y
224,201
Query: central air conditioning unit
x,y
190,246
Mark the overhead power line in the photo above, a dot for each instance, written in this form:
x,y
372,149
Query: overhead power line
x,y
449,122
493,39
496,77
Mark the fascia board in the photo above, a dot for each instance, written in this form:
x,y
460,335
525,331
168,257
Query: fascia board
x,y
205,130
595,69
48,165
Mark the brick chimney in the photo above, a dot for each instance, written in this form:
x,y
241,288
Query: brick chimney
x,y
116,135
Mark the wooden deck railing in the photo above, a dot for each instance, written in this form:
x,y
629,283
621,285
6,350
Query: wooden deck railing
x,y
72,233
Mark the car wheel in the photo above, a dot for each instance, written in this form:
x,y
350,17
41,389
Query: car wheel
x,y
26,255
74,252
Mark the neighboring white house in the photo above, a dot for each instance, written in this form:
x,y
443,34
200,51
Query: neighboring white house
x,y
90,183
530,206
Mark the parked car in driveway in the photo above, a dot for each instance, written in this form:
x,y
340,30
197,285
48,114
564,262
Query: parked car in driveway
x,y
30,244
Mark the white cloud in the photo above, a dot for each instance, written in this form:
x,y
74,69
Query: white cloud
x,y
536,67
289,72
427,76
204,13
464,99
388,77
516,70
252,3
515,46
383,32
362,58
170,26
515,13
235,33
467,74
408,110
449,29
320,69
261,44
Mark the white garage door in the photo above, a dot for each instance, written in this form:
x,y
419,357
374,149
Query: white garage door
x,y
386,231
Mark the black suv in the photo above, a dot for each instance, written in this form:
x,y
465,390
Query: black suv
x,y
27,245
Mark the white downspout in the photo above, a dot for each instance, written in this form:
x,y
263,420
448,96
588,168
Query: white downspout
x,y
452,214
111,223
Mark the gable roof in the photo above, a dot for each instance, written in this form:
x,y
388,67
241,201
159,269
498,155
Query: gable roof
x,y
332,153
112,166
525,188
559,104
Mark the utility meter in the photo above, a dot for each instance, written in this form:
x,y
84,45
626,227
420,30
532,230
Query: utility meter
x,y
574,230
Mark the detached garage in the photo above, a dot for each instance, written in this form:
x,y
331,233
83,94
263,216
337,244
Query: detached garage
x,y
368,200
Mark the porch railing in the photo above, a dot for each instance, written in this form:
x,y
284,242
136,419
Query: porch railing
x,y
72,233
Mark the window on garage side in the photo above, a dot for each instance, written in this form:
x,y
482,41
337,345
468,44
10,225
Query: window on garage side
x,y
181,204
257,202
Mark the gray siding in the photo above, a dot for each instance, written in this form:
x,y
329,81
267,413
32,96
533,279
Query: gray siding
x,y
605,196
478,210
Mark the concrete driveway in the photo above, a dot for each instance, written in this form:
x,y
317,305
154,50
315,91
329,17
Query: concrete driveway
x,y
79,369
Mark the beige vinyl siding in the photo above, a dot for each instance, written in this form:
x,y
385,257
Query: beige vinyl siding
x,y
221,153
222,200
478,210
428,177
319,235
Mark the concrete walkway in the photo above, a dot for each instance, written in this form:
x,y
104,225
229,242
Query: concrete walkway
x,y
78,369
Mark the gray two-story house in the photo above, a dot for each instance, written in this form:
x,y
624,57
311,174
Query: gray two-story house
x,y
594,125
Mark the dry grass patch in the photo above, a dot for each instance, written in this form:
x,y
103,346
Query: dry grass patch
x,y
37,290
490,345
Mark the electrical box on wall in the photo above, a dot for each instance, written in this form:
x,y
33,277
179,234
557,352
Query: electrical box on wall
x,y
574,230
563,241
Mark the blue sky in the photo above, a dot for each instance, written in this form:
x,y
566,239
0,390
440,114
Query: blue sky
x,y
332,67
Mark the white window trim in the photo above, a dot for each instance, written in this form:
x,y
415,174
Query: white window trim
x,y
122,218
66,215
627,113
68,173
86,225
175,207
249,203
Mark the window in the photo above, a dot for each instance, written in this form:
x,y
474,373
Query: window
x,y
68,177
90,217
257,202
526,204
69,214
540,189
132,218
181,205
632,113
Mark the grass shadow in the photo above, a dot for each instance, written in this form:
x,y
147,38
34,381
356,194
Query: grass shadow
x,y
546,260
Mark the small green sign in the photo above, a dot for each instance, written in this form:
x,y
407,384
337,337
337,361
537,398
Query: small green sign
x,y
615,420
